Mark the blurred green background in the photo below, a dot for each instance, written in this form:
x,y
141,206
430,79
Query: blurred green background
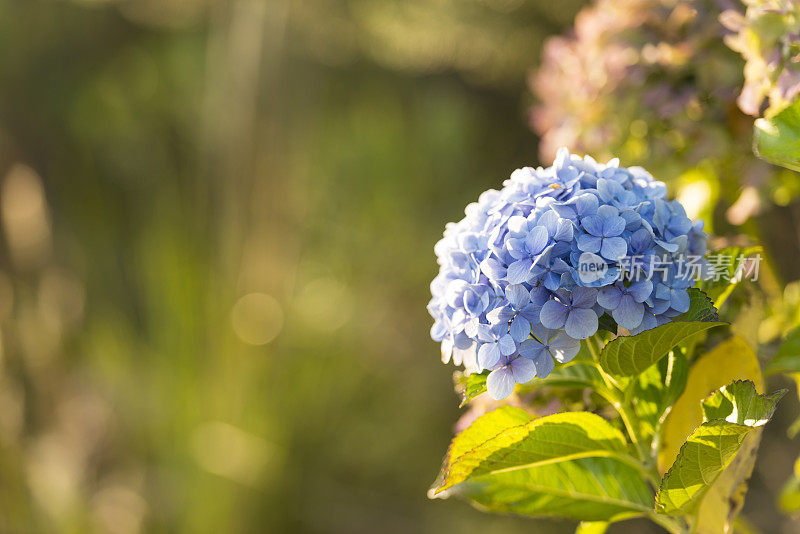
x,y
217,232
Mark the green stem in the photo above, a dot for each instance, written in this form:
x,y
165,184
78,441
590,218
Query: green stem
x,y
622,401
629,417
594,349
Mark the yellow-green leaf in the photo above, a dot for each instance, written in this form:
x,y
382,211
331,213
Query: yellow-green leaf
x,y
631,355
733,359
701,460
777,139
731,415
469,386
572,465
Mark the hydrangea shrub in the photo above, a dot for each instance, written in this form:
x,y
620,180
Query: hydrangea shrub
x,y
580,279
549,254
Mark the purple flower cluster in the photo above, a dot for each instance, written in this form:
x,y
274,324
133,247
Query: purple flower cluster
x,y
514,294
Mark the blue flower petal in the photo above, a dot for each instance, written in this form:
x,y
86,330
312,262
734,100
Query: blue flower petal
x,y
613,226
564,348
489,355
565,231
629,313
553,314
537,239
500,383
531,348
679,300
608,297
517,295
520,329
544,365
519,271
493,269
581,323
593,224
589,243
517,248
507,345
641,290
584,297
614,248
523,370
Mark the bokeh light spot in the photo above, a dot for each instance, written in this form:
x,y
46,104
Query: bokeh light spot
x,y
257,318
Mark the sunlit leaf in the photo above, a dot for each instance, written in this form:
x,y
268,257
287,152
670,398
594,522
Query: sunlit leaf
x,y
731,360
777,139
657,388
469,386
485,427
740,403
725,279
572,465
630,355
731,415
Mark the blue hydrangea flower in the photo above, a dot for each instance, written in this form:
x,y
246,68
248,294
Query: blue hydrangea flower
x,y
512,294
673,287
519,310
626,303
511,371
547,347
495,341
525,250
603,234
572,311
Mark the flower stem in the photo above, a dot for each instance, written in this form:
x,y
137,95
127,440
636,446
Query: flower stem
x,y
623,406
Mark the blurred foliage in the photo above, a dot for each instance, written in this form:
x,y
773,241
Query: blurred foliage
x,y
652,83
767,35
217,224
217,221
657,82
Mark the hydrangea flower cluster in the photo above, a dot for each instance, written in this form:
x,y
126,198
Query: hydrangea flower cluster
x,y
654,81
513,293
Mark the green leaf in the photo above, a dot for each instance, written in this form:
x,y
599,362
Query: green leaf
x,y
469,386
607,323
725,262
731,360
657,389
572,465
701,308
731,414
485,427
740,403
787,359
631,355
777,139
